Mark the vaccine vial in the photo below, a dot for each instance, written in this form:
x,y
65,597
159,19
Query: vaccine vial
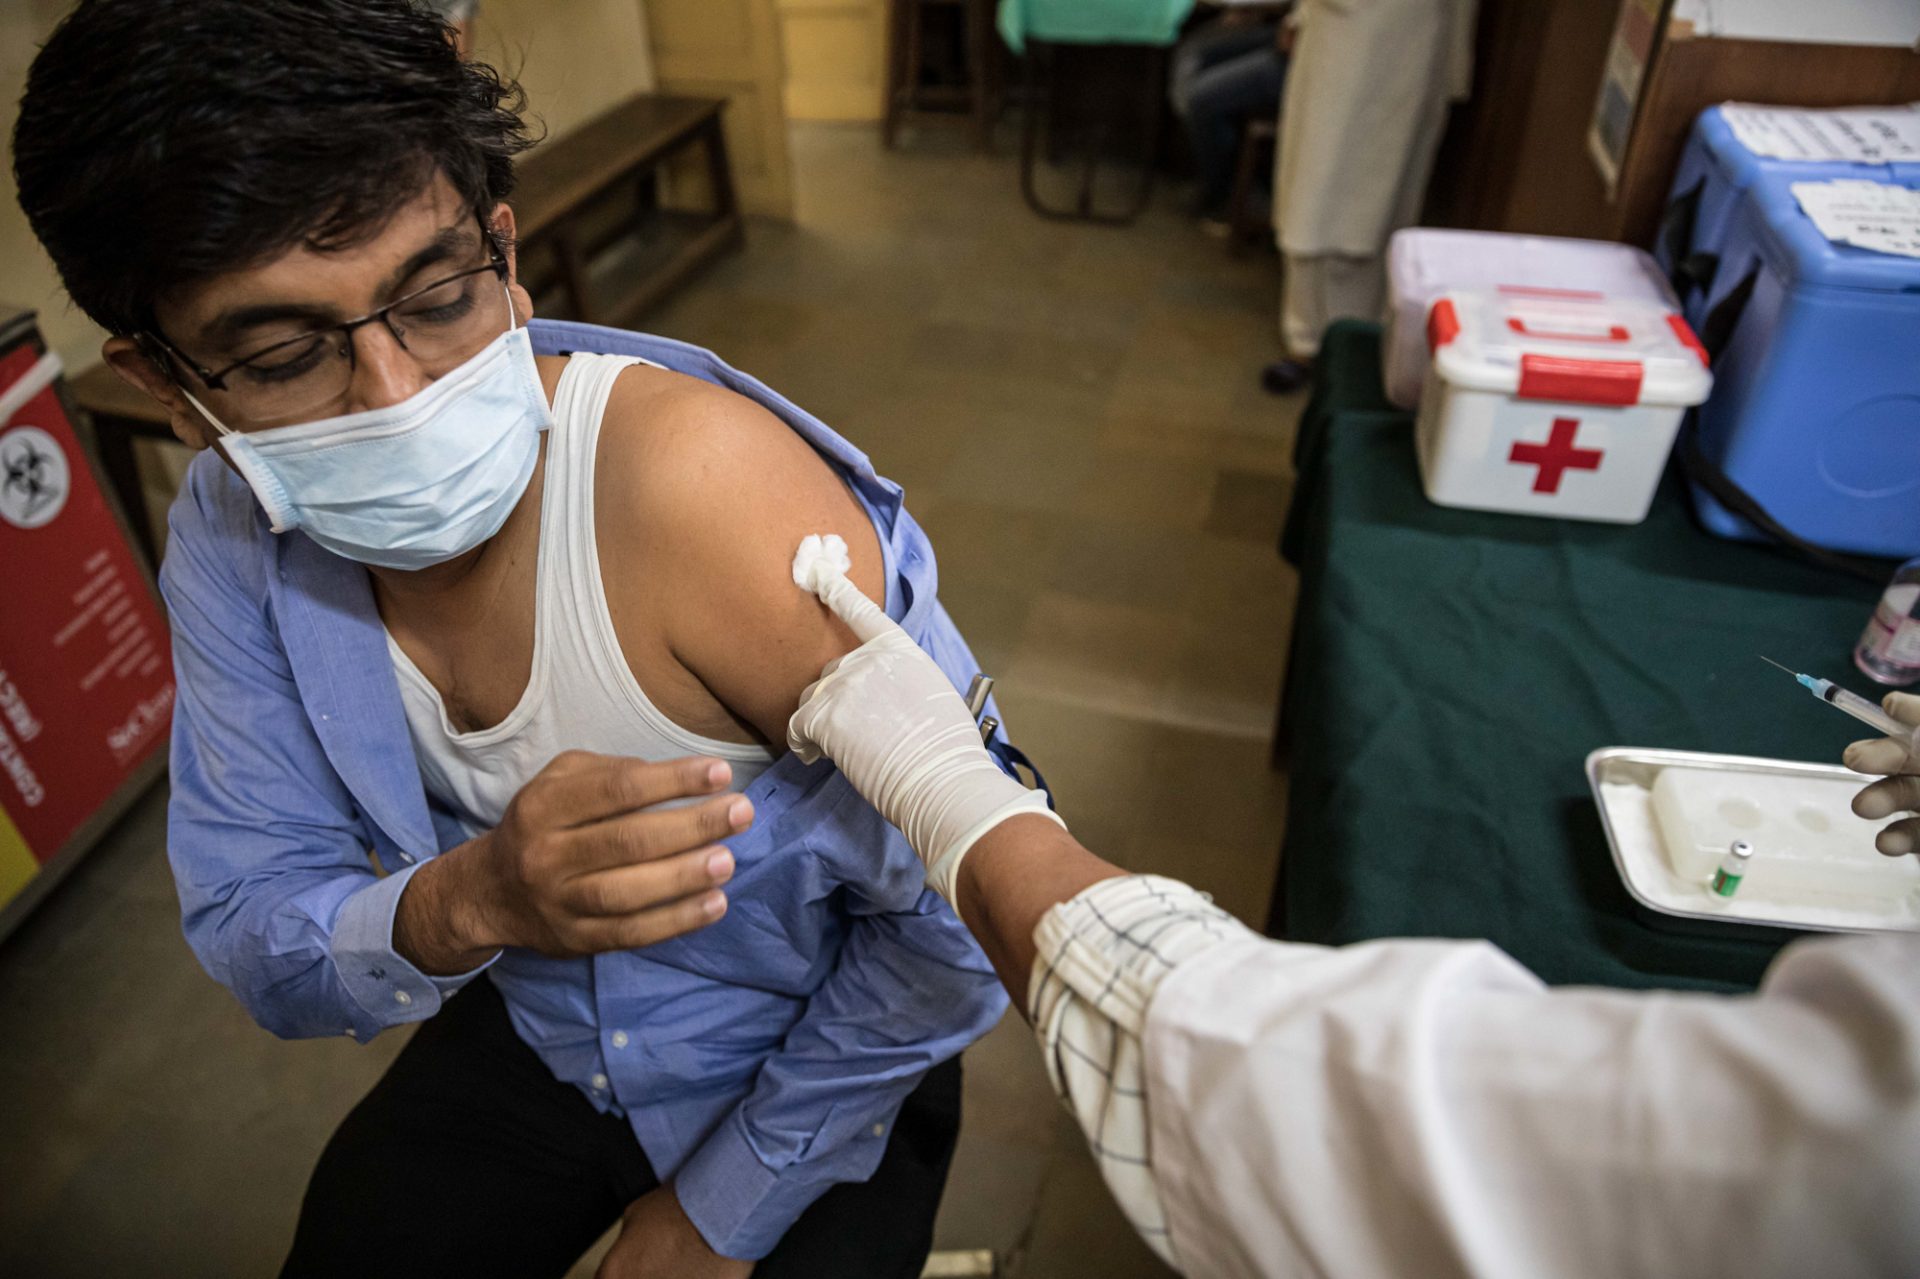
x,y
1889,649
1732,869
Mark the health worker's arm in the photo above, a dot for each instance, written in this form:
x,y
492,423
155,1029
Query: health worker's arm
x,y
718,493
1421,1108
1409,1107
269,854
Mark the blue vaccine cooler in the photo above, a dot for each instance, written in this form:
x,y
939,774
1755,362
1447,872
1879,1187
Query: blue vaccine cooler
x,y
1717,170
1815,410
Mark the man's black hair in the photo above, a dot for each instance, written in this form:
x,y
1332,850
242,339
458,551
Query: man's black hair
x,y
163,142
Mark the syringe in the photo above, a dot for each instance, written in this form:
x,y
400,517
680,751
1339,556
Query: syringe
x,y
1855,705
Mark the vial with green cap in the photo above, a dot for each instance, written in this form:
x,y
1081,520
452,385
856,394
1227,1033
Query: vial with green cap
x,y
1733,868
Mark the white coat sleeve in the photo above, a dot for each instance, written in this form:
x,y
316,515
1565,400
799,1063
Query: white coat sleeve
x,y
1430,1108
1098,960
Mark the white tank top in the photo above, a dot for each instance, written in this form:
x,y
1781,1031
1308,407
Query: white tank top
x,y
581,694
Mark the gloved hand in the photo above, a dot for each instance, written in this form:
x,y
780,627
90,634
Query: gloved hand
x,y
1899,788
889,718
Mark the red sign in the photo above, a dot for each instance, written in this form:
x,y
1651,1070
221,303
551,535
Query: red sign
x,y
86,683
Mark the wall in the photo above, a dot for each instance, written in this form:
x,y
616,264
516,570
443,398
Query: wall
x,y
1515,158
731,49
575,58
1883,22
836,58
26,276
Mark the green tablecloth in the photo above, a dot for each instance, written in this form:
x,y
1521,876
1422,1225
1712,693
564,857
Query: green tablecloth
x,y
1452,669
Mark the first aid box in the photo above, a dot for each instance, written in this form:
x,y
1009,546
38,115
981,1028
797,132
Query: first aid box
x,y
1424,262
1554,405
1717,169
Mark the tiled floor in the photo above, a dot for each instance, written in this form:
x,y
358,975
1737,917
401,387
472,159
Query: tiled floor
x,y
1074,413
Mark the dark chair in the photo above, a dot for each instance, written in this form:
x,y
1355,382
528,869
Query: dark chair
x,y
1258,139
977,100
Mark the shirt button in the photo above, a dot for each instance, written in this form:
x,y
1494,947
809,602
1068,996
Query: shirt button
x,y
879,1130
402,997
620,1039
599,1083
408,858
348,1032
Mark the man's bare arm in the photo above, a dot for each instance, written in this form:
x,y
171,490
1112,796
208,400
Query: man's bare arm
x,y
714,493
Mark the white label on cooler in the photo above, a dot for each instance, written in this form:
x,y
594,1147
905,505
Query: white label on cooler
x,y
1867,215
1871,135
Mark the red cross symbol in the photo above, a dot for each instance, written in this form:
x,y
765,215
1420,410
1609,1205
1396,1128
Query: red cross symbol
x,y
1557,456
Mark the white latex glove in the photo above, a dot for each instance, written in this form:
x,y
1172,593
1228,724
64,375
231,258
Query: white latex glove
x,y
888,717
1899,788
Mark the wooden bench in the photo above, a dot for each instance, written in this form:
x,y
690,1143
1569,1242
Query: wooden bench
x,y
582,201
583,196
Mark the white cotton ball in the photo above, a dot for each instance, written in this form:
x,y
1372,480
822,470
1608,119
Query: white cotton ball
x,y
820,559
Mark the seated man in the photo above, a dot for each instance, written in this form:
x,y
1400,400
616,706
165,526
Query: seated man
x,y
1226,72
436,602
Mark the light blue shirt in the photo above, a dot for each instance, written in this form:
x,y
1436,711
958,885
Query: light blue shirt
x,y
759,1061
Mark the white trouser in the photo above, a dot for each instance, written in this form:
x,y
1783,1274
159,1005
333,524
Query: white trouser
x,y
1320,288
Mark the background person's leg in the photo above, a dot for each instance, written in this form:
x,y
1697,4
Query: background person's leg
x,y
1221,99
881,1228
1212,44
467,1159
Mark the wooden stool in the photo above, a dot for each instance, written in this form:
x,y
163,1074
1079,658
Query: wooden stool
x,y
977,100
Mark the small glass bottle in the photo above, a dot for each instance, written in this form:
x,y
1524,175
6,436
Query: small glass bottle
x,y
1889,649
1732,868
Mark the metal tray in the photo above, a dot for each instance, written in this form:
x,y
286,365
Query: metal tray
x,y
1622,778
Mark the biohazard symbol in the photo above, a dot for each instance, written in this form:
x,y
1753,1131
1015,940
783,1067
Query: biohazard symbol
x,y
33,477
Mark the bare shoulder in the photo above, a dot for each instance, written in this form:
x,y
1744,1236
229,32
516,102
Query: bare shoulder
x,y
675,439
712,493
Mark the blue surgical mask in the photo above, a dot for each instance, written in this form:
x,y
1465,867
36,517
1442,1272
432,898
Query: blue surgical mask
x,y
415,483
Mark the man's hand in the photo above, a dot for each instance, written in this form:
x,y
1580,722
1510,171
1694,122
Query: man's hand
x,y
1899,788
582,863
657,1241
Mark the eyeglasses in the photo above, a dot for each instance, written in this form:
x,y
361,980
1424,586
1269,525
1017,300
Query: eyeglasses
x,y
441,325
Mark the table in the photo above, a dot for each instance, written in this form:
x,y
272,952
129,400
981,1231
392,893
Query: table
x,y
1044,31
1452,669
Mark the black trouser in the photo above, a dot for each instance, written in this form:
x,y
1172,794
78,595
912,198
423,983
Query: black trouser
x,y
470,1159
